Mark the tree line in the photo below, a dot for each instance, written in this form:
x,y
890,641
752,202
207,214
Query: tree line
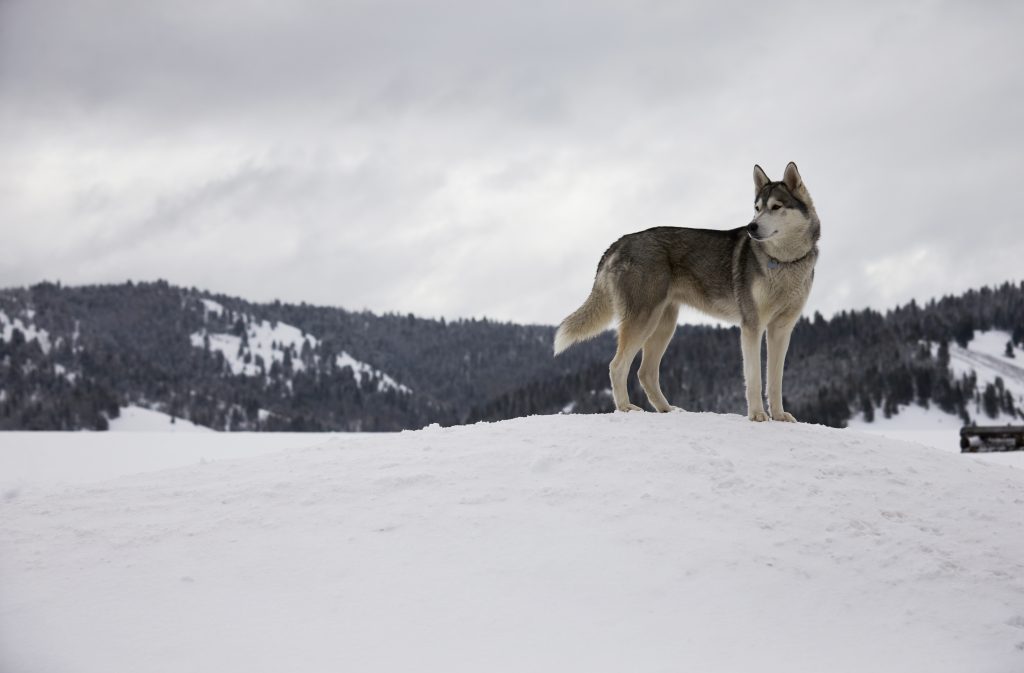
x,y
114,345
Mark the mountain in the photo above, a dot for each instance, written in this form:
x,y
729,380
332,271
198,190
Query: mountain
x,y
74,357
620,542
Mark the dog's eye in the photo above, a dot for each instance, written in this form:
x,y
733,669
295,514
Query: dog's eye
x,y
776,207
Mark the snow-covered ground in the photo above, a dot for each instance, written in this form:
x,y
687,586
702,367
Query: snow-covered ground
x,y
931,427
140,440
620,542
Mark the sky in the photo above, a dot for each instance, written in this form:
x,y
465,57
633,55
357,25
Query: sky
x,y
469,159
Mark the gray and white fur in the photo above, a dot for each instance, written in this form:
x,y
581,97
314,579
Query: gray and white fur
x,y
757,276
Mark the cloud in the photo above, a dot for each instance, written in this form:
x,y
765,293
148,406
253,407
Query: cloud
x,y
477,158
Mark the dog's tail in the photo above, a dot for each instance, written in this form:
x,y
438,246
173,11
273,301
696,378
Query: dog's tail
x,y
587,321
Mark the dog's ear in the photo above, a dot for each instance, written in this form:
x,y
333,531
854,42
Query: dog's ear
x,y
760,179
792,178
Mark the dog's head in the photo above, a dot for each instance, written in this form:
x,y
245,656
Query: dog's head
x,y
784,212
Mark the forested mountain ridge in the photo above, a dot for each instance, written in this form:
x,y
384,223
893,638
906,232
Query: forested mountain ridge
x,y
70,357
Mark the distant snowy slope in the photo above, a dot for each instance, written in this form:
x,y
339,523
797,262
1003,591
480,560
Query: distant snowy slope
x,y
138,419
985,358
985,355
263,340
266,343
636,542
361,369
25,325
211,306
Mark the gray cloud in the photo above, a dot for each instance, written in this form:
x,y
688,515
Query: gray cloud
x,y
477,158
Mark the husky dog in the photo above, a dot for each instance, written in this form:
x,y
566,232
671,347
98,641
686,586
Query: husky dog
x,y
758,276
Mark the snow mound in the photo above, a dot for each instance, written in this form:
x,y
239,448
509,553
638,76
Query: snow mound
x,y
139,419
624,542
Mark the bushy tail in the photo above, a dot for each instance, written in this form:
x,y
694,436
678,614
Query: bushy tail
x,y
585,322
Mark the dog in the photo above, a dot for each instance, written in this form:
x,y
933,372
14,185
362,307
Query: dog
x,y
757,276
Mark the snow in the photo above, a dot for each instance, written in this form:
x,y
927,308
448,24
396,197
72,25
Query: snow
x,y
61,370
361,369
935,428
262,338
985,355
619,542
990,342
269,341
210,306
138,419
932,427
42,460
8,325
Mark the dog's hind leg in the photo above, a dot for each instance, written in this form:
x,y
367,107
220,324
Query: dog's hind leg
x,y
750,340
633,333
654,349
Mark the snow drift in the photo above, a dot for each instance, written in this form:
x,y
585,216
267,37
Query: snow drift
x,y
634,542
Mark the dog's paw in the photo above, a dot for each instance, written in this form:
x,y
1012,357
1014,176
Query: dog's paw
x,y
668,409
629,407
785,416
758,416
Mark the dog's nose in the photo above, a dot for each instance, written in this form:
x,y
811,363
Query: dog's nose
x,y
752,227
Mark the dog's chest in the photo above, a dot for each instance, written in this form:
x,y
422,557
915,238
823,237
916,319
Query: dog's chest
x,y
782,290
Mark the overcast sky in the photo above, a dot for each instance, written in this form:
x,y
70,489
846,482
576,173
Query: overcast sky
x,y
466,158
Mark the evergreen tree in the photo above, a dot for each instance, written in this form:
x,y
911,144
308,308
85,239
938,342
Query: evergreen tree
x,y
990,401
867,408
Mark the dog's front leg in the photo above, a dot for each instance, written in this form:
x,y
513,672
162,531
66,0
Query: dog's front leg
x,y
778,344
750,340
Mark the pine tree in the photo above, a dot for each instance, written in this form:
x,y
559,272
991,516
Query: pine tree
x,y
990,401
963,332
943,356
867,408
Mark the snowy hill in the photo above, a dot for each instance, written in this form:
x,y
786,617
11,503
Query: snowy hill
x,y
635,542
265,343
139,419
984,359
